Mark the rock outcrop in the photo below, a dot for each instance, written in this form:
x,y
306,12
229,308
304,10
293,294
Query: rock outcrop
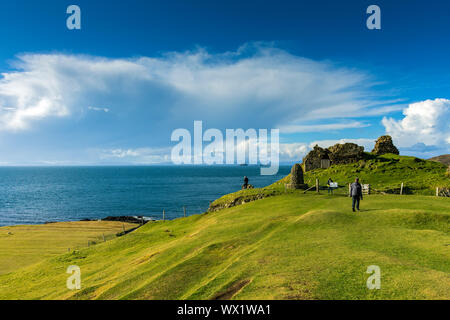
x,y
129,219
385,145
297,181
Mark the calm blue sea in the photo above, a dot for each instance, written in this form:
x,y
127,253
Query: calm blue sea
x,y
39,194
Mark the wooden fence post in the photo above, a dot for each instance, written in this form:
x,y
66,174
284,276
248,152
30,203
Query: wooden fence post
x,y
103,237
437,191
164,215
184,210
349,190
401,189
317,185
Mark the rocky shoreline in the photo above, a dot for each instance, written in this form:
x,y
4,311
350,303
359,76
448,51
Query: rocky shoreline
x,y
127,219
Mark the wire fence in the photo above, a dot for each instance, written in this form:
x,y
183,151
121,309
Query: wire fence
x,y
367,189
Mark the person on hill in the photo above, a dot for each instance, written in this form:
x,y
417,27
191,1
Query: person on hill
x,y
245,185
329,182
356,194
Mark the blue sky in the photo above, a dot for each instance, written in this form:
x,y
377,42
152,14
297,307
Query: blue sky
x,y
114,91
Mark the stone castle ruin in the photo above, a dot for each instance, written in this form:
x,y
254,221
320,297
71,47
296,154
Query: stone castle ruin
x,y
337,154
385,145
323,158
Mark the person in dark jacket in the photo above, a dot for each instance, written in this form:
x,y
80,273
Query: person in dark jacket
x,y
356,194
245,185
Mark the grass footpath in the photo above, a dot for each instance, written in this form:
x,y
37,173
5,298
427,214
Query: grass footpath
x,y
290,246
21,246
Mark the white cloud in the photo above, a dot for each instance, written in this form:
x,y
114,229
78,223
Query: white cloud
x,y
137,155
99,109
322,127
426,122
293,151
257,87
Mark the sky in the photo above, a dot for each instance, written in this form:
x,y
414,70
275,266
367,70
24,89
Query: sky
x,y
114,91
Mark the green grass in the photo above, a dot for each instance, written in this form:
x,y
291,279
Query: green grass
x,y
290,246
21,246
384,173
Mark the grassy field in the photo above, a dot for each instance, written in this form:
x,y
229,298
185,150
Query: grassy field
x,y
290,246
21,246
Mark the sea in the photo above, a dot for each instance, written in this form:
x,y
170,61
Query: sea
x,y
36,195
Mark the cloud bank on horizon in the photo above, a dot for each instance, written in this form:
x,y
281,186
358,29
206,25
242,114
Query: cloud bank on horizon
x,y
124,110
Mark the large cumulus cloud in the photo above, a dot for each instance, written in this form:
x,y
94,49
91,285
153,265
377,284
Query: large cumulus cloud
x,y
425,127
100,103
261,87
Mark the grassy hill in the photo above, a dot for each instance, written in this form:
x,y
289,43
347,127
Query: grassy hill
x,y
292,246
384,174
445,159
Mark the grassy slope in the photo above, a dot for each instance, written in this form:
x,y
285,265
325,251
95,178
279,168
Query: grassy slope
x,y
445,159
292,246
24,245
384,174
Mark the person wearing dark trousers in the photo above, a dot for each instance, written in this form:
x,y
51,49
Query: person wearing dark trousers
x,y
330,189
356,194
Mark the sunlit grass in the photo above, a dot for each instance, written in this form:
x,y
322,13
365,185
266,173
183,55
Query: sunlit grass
x,y
291,246
21,246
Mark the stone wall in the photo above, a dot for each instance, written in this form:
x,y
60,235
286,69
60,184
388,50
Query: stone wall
x,y
313,159
337,154
346,153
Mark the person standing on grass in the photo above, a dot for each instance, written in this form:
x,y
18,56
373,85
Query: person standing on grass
x,y
329,182
245,185
356,194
